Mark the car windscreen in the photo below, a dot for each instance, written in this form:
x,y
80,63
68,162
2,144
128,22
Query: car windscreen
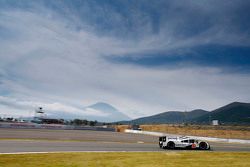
x,y
191,141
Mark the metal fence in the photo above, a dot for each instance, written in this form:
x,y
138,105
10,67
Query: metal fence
x,y
53,126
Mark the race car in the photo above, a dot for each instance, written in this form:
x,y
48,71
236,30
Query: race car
x,y
182,142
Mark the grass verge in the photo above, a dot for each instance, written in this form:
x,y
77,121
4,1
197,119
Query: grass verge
x,y
131,159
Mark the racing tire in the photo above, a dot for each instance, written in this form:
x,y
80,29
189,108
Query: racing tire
x,y
203,146
170,145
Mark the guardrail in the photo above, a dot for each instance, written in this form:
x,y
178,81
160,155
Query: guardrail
x,y
197,137
52,126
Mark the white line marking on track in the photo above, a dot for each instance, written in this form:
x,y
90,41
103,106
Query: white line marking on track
x,y
54,152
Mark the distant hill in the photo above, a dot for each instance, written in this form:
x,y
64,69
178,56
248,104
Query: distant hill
x,y
233,113
170,117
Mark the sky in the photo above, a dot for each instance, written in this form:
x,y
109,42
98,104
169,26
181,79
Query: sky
x,y
143,57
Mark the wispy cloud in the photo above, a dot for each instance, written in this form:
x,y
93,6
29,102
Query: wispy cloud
x,y
55,54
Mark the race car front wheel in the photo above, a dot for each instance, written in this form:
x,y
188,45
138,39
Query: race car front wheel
x,y
170,145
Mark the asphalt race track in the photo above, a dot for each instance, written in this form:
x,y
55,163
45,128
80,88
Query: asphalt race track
x,y
41,140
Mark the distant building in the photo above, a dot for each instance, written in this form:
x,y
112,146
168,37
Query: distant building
x,y
135,127
215,122
41,118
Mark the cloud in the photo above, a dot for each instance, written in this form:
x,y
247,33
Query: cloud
x,y
57,57
26,108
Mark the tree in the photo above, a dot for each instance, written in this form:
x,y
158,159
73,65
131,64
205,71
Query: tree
x,y
92,123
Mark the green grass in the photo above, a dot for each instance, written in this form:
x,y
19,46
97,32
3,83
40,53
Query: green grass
x,y
128,159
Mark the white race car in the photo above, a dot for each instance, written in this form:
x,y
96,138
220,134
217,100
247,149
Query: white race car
x,y
182,142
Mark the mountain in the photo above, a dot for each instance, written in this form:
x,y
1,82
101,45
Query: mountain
x,y
107,113
170,117
233,113
102,112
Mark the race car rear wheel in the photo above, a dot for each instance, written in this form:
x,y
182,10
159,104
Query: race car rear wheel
x,y
203,146
170,145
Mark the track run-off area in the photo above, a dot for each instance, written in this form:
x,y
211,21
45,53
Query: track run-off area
x,y
44,140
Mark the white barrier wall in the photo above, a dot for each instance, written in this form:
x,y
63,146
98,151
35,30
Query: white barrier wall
x,y
51,126
197,137
32,125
